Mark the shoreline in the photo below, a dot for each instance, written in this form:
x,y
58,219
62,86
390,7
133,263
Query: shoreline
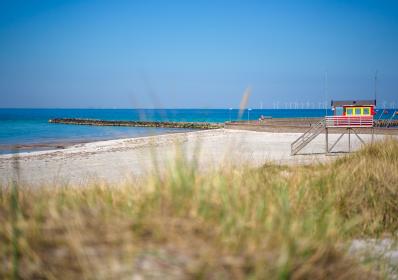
x,y
121,160
8,149
64,144
36,147
108,143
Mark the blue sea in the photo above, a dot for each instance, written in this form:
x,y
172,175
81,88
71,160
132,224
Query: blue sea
x,y
28,129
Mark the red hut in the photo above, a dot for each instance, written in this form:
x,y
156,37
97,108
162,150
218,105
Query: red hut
x,y
352,113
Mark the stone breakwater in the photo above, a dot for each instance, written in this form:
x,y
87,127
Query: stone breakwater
x,y
190,125
386,123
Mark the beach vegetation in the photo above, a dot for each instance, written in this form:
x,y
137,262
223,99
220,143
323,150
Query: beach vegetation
x,y
272,222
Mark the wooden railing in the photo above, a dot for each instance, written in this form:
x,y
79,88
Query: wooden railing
x,y
349,121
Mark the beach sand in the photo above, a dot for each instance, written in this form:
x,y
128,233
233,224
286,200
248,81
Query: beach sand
x,y
117,161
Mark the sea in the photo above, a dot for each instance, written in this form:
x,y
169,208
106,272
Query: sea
x,y
29,130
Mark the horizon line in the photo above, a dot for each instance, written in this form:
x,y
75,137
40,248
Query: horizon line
x,y
148,108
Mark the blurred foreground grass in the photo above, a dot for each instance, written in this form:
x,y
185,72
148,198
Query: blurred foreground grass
x,y
273,222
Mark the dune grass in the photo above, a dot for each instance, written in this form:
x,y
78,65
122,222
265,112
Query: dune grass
x,y
273,222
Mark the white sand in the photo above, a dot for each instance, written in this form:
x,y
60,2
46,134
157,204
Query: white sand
x,y
117,160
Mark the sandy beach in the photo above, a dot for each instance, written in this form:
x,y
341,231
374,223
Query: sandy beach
x,y
115,161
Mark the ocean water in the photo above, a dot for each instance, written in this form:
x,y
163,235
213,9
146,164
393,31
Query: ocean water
x,y
29,128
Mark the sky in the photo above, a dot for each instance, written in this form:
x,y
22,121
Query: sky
x,y
196,54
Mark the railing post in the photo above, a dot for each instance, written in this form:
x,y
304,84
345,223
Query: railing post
x,y
349,140
326,140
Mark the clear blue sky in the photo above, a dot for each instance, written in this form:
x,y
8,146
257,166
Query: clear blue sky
x,y
195,54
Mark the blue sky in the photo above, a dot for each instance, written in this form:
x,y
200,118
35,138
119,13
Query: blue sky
x,y
195,54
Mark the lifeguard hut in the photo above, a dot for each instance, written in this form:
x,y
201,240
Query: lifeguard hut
x,y
347,116
354,108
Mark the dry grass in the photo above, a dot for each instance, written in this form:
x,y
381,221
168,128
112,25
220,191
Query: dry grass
x,y
276,222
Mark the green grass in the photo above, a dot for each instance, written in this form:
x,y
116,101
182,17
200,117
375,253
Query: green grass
x,y
273,222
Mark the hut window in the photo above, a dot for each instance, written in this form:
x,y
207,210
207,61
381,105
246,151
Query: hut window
x,y
358,111
349,111
366,111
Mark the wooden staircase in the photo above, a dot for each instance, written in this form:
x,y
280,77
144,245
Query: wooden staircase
x,y
307,137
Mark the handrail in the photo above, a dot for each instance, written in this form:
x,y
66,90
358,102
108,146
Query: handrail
x,y
306,137
349,121
318,125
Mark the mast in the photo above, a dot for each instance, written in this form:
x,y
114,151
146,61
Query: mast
x,y
375,86
326,93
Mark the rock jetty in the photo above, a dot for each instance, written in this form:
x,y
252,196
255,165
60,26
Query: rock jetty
x,y
189,125
386,123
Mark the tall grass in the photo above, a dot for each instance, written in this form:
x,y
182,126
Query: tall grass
x,y
14,215
273,222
